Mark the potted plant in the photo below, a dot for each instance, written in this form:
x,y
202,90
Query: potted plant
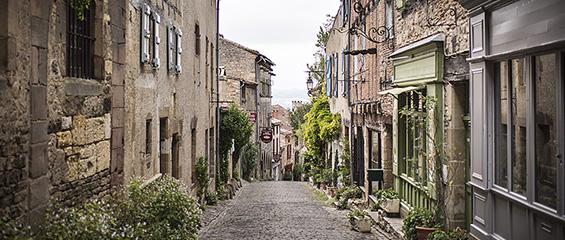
x,y
453,234
388,200
419,223
360,221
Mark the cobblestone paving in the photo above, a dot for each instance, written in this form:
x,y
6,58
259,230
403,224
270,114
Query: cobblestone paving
x,y
280,210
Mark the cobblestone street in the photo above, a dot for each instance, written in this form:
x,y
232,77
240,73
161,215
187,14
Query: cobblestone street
x,y
279,210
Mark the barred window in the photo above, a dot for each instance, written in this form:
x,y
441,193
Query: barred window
x,y
80,42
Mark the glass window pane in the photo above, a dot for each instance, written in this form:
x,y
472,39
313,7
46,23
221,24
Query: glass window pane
x,y
501,161
546,139
518,137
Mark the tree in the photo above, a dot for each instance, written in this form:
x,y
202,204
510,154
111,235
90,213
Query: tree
x,y
320,127
234,124
297,115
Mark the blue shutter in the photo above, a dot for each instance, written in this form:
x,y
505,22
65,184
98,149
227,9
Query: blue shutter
x,y
345,73
336,77
328,76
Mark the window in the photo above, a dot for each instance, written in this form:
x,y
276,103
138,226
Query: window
x,y
546,145
512,126
389,18
148,143
243,93
80,43
193,155
197,39
412,138
150,39
174,40
528,99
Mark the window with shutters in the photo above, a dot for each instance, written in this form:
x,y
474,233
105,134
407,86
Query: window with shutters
x,y
173,49
197,39
80,43
150,39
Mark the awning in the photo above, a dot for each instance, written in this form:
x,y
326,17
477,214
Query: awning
x,y
396,91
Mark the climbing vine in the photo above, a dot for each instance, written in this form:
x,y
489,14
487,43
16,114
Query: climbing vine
x,y
234,124
320,127
80,6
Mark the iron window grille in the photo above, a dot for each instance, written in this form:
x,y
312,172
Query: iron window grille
x,y
80,42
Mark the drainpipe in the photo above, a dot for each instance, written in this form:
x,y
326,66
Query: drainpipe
x,y
348,79
217,129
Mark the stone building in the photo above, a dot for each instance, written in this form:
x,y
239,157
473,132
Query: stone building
x,y
246,82
62,104
337,80
91,100
401,53
170,88
284,148
517,124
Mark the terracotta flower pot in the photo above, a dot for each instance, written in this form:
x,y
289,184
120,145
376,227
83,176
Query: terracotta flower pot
x,y
423,232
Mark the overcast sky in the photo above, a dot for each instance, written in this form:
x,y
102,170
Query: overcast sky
x,y
284,31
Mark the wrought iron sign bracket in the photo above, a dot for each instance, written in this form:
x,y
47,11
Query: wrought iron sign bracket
x,y
381,34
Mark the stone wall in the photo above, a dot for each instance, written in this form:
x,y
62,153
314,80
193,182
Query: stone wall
x,y
56,130
176,106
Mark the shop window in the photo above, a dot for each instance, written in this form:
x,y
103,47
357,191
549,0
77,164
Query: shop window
x,y
512,128
414,137
80,43
528,102
546,145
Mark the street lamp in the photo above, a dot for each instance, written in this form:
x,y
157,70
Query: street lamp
x,y
309,83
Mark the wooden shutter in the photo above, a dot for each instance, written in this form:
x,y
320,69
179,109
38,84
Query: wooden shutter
x,y
171,48
179,51
156,40
328,76
145,33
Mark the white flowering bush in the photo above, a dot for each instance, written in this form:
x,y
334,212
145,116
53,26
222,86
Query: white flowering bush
x,y
162,209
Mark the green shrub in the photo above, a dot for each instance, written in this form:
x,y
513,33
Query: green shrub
x,y
357,213
211,198
10,230
344,194
420,217
202,180
386,194
297,171
287,176
456,234
162,209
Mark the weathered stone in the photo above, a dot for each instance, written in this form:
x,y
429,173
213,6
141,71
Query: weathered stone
x,y
107,126
118,96
117,138
64,139
66,123
82,87
39,32
102,156
39,103
38,160
39,132
39,192
87,131
118,117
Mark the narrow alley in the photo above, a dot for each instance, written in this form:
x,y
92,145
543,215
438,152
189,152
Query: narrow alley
x,y
280,210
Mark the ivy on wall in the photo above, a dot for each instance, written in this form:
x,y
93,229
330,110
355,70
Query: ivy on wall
x,y
320,127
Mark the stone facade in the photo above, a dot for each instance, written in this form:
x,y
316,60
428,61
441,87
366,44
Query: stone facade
x,y
388,38
246,83
56,128
171,111
73,121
